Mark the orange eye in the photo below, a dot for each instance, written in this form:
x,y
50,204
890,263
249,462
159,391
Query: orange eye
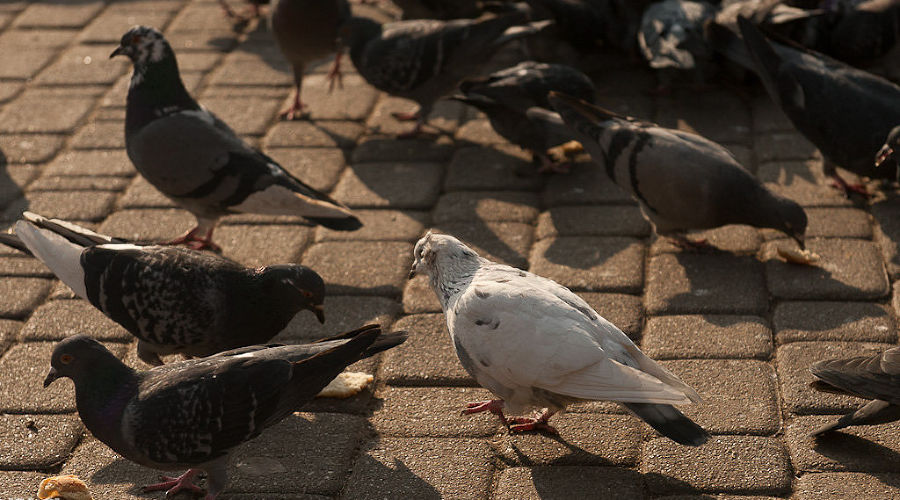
x,y
66,359
307,294
136,39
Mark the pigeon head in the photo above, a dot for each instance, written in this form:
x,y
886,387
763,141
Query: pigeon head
x,y
441,254
790,218
296,286
75,355
357,31
886,156
143,45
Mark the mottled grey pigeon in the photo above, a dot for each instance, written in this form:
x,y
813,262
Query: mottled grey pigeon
x,y
672,39
424,60
680,180
307,30
195,159
534,343
871,377
193,413
173,299
843,111
887,155
515,101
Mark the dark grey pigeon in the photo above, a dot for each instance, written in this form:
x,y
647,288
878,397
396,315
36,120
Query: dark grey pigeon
x,y
887,156
192,414
195,159
681,181
590,24
173,299
424,60
869,377
515,101
865,32
843,111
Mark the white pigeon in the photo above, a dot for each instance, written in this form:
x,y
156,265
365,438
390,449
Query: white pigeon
x,y
534,343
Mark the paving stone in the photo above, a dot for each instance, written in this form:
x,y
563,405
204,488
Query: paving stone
x,y
422,468
147,225
245,113
21,266
734,464
202,17
847,485
586,184
37,441
783,145
72,183
427,357
801,181
73,206
380,225
100,135
432,412
256,65
142,194
563,483
58,15
731,122
444,117
727,385
479,131
856,321
869,449
22,63
418,297
585,439
361,268
35,113
375,185
390,149
84,65
767,116
353,102
735,239
504,242
500,206
624,311
221,40
22,372
342,313
90,163
309,134
30,148
848,270
9,90
9,333
589,263
692,283
709,336
887,234
13,180
58,319
613,220
14,483
263,245
793,361
319,167
18,296
109,26
838,223
495,168
34,37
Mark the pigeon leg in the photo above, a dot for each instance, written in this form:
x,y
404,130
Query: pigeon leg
x,y
192,240
687,244
173,485
405,117
494,406
334,74
525,424
838,182
297,109
229,12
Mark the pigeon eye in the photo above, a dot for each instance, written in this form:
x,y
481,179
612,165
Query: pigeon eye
x,y
136,39
66,359
307,294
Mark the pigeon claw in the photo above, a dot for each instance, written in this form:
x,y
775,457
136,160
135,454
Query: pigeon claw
x,y
194,241
335,77
405,117
530,424
494,406
845,187
174,485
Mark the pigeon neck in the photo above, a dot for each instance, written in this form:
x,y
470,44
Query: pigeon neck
x,y
101,397
156,90
452,277
260,307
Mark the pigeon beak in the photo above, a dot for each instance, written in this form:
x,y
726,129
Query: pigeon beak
x,y
412,273
884,154
118,52
319,311
801,240
53,375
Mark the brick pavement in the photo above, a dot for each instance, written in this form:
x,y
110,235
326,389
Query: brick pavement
x,y
740,327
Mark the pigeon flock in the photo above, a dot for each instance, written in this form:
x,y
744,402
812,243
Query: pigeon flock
x,y
531,342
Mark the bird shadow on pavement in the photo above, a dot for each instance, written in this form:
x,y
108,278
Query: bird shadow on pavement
x,y
12,198
377,474
856,453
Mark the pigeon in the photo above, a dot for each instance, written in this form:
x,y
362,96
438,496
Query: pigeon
x,y
424,60
680,180
173,299
515,101
307,30
194,158
671,39
887,155
439,9
253,9
865,32
843,111
870,377
590,24
193,413
534,343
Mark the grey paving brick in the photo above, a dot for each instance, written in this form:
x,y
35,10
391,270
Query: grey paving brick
x,y
494,206
585,439
857,321
342,313
14,483
444,118
141,194
418,297
478,131
736,239
563,483
624,311
72,183
106,474
58,319
9,90
427,357
100,135
222,40
353,102
491,169
395,185
109,26
18,296
91,163
504,242
256,65
373,149
22,63
612,220
147,225
767,116
72,205
58,15
707,336
21,266
319,167
730,123
13,180
783,145
361,268
380,225
432,412
793,361
853,449
739,396
30,148
801,181
84,65
202,17
308,134
37,441
588,263
838,223
848,270
35,37
586,184
263,245
692,283
720,465
34,113
422,468
245,112
847,485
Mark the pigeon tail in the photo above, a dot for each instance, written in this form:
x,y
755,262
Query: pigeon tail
x,y
59,254
349,223
516,32
670,422
15,242
872,413
72,232
382,343
729,44
782,87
